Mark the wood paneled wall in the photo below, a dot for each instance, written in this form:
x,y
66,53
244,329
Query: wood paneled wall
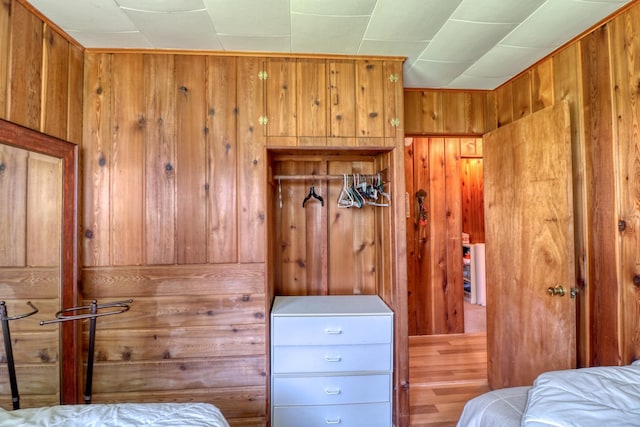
x,y
41,89
40,74
598,76
177,157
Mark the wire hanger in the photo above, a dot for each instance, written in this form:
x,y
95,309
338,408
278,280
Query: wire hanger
x,y
312,193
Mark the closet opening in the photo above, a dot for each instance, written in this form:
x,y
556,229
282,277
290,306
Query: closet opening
x,y
445,235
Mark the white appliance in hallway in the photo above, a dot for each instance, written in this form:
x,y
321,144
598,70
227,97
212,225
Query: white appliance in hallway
x,y
473,273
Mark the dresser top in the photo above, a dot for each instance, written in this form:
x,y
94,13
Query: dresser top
x,y
329,305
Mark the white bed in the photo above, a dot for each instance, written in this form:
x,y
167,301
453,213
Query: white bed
x,y
600,396
117,415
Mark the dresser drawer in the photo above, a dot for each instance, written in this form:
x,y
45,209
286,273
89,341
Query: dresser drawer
x,y
339,358
370,415
331,390
331,330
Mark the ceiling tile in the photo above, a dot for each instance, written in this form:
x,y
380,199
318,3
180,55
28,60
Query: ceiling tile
x,y
460,41
504,61
435,74
408,49
255,44
326,34
180,30
125,40
162,5
333,7
409,20
552,17
250,17
465,82
497,11
87,15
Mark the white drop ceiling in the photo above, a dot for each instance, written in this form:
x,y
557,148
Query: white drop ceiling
x,y
461,44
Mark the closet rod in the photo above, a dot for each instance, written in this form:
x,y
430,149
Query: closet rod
x,y
306,177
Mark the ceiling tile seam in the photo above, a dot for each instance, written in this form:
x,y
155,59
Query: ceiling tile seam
x,y
163,12
366,27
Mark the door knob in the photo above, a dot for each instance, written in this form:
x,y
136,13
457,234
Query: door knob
x,y
557,290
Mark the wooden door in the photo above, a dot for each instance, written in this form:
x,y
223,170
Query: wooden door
x,y
529,248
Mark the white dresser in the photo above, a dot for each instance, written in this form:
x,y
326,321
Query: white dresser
x,y
331,361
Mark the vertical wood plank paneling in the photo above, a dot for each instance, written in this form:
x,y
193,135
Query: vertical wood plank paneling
x,y
13,176
601,195
55,84
472,199
127,173
341,263
567,85
627,73
542,85
369,98
191,114
624,44
411,233
281,97
364,243
160,159
521,92
25,67
75,96
413,117
96,160
475,112
44,196
342,98
5,53
222,149
438,228
251,162
393,101
453,112
453,293
433,120
491,112
424,298
316,245
312,102
504,104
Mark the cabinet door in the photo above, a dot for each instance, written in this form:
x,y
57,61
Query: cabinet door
x,y
369,99
393,102
312,101
281,97
342,99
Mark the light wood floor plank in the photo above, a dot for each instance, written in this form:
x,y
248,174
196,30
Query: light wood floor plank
x,y
445,371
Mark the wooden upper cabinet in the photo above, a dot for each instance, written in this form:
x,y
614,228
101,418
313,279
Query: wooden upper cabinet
x,y
369,99
342,99
393,99
312,98
281,97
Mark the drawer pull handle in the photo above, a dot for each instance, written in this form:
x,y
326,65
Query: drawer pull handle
x,y
333,392
333,358
333,421
332,331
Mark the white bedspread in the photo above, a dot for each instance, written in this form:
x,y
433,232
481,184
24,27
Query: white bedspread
x,y
598,397
117,415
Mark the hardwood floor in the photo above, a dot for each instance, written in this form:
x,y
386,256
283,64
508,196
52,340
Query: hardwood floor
x,y
445,371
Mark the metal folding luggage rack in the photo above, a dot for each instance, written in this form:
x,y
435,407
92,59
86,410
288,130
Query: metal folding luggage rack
x,y
90,312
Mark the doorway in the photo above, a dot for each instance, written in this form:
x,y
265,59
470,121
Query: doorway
x,y
444,182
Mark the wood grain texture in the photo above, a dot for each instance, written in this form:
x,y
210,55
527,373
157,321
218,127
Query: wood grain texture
x,y
191,179
342,99
542,94
160,160
222,152
75,97
281,97
521,92
624,44
13,185
5,54
25,87
96,164
369,98
312,100
529,229
55,84
251,163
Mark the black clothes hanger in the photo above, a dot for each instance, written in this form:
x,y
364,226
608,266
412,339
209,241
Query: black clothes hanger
x,y
312,193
